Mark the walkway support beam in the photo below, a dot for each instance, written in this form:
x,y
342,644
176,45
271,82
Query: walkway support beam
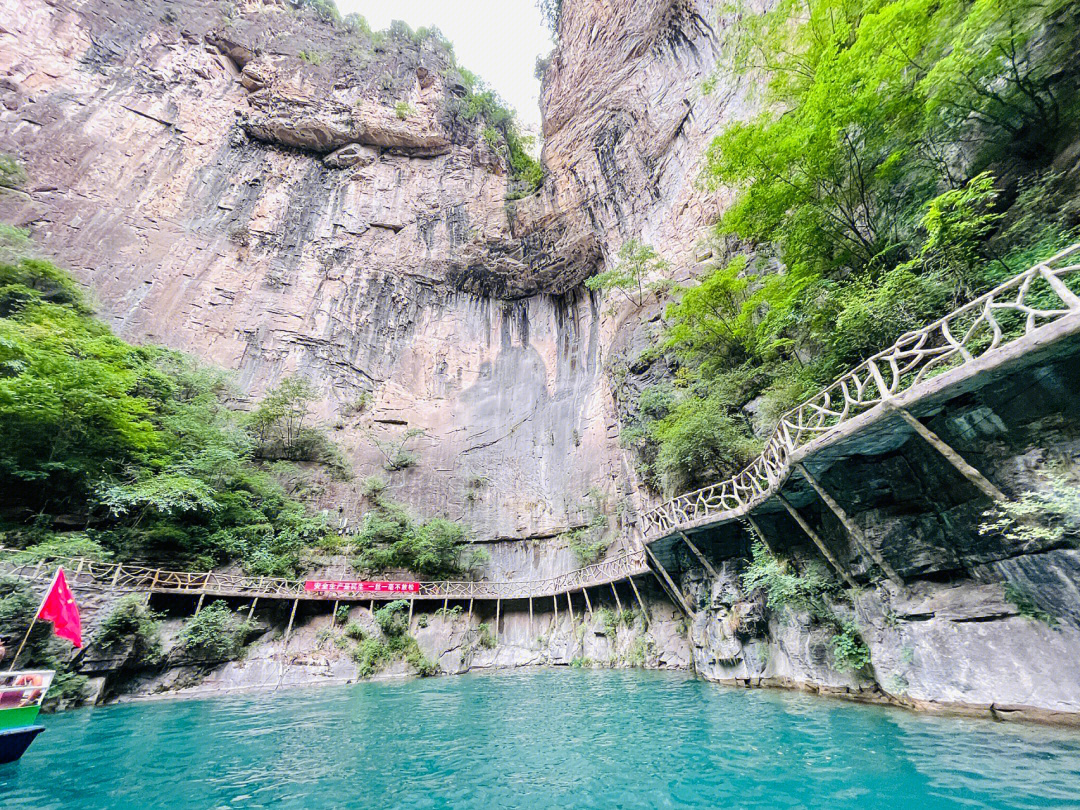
x,y
954,458
618,601
675,593
641,603
700,557
824,549
852,528
292,616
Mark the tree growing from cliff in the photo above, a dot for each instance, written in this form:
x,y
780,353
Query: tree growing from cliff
x,y
394,450
636,263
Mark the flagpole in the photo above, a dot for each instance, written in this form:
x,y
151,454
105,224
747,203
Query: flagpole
x,y
33,621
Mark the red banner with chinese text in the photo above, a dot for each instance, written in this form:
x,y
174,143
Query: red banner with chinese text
x,y
356,586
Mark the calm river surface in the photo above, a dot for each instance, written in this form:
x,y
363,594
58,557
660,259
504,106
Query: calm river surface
x,y
541,739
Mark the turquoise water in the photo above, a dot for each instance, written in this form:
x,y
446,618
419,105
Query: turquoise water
x,y
544,739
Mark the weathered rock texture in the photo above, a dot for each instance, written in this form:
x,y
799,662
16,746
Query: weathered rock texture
x,y
951,636
224,196
252,186
319,652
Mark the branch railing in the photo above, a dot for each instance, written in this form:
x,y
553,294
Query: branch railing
x,y
1034,299
128,577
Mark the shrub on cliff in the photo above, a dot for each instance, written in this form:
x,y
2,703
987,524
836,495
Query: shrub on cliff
x,y
135,442
216,633
12,174
390,538
132,622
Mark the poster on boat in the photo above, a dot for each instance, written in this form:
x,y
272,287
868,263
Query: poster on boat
x,y
359,586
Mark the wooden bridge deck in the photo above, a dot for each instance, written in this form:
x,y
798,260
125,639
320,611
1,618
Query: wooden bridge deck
x,y
146,579
1022,317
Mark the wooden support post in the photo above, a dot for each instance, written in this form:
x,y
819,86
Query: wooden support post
x,y
82,562
618,601
570,606
852,529
470,610
697,553
371,607
115,577
675,593
954,458
640,602
806,527
498,604
410,613
198,606
588,604
530,618
445,606
251,610
333,614
292,615
761,535
555,602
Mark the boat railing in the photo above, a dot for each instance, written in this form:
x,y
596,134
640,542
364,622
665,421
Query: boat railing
x,y
24,687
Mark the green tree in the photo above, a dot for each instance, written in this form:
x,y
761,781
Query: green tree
x,y
636,263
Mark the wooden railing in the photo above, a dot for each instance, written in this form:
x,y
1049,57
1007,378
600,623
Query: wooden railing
x,y
124,576
1033,300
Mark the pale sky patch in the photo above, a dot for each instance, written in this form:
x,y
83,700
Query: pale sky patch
x,y
498,40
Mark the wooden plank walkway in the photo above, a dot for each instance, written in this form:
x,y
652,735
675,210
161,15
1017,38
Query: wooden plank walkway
x,y
146,579
1027,312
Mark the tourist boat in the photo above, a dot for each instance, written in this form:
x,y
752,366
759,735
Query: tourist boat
x,y
21,694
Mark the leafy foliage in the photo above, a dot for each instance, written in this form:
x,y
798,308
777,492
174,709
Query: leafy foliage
x,y
215,633
784,587
1041,519
589,542
636,263
132,622
811,591
12,174
871,195
850,653
393,618
390,538
394,450
485,637
1026,606
134,442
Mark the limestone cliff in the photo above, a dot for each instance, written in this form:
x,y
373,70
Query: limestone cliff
x,y
241,181
244,182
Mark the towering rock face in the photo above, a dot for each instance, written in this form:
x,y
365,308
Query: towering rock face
x,y
246,183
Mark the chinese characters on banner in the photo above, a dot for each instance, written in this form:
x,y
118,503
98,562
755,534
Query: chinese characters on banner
x,y
354,586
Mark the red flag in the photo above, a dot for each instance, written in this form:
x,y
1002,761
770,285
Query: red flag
x,y
59,608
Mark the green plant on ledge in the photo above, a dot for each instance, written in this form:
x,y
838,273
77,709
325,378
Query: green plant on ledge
x,y
215,633
589,542
132,621
485,637
1026,606
808,591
